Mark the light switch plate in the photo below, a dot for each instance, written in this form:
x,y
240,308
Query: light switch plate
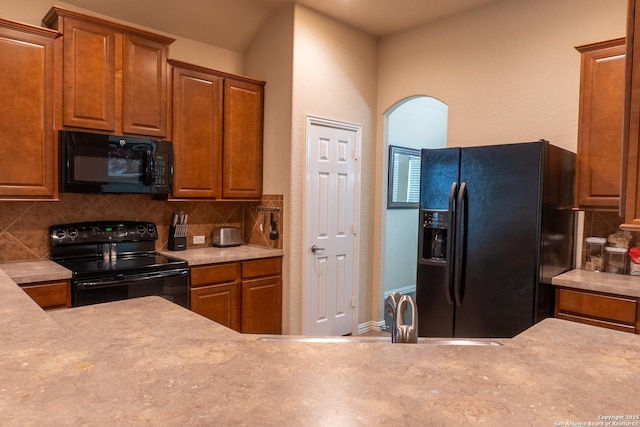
x,y
198,240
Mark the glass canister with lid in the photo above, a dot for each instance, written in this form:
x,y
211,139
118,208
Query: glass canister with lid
x,y
616,260
595,253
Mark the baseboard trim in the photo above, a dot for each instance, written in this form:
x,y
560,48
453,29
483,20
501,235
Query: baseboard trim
x,y
370,326
381,325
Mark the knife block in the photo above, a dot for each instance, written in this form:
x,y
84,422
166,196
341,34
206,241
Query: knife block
x,y
177,238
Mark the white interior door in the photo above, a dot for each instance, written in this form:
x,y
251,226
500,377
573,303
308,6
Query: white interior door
x,y
331,200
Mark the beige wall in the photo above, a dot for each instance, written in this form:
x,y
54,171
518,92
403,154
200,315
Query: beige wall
x,y
508,72
270,58
334,76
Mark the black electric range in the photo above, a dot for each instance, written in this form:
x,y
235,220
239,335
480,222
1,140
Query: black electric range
x,y
114,260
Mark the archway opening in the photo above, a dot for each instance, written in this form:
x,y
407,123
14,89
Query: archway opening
x,y
416,122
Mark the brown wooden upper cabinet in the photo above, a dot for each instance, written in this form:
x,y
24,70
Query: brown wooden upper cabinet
x,y
217,134
242,143
27,134
630,203
600,124
114,76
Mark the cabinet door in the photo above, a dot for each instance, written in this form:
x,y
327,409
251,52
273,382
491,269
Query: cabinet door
x,y
630,205
144,86
220,303
197,133
89,97
600,124
27,136
50,295
262,306
243,123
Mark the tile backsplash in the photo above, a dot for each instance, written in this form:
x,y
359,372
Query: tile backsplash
x,y
24,226
601,223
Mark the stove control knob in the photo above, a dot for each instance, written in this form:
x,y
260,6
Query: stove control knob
x,y
72,232
60,233
121,231
151,229
141,229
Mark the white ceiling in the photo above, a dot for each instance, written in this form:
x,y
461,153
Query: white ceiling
x,y
233,24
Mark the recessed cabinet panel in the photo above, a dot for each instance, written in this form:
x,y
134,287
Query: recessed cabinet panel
x,y
89,92
27,137
600,124
243,123
220,303
144,89
215,273
197,133
261,267
262,306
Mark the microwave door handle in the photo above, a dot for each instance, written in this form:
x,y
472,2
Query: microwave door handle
x,y
149,172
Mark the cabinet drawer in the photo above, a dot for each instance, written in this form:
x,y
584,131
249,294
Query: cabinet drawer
x,y
215,273
262,267
51,294
598,306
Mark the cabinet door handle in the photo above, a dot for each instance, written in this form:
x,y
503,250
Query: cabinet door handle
x,y
315,249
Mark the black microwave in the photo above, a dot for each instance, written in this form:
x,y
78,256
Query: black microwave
x,y
98,163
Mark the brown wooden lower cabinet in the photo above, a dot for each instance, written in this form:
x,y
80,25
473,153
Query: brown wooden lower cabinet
x,y
215,293
599,309
50,295
245,296
220,303
262,305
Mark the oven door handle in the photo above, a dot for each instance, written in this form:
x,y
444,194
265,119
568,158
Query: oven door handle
x,y
121,279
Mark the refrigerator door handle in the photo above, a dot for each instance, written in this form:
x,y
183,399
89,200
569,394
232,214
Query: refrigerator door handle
x,y
449,269
459,244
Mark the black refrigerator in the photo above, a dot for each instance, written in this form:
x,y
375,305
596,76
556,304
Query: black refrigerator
x,y
496,224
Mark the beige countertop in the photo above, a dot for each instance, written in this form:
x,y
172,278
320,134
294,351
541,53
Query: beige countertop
x,y
619,284
148,361
35,271
212,255
23,272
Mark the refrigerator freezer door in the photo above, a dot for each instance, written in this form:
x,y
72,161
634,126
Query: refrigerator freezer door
x,y
440,169
500,233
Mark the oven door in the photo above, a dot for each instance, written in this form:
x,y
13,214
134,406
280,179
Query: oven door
x,y
172,285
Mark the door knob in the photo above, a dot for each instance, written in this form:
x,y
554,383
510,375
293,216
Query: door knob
x,y
315,249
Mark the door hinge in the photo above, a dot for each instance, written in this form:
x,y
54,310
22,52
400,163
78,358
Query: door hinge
x,y
353,303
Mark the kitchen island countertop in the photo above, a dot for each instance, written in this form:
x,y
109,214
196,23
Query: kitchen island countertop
x,y
44,270
148,361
